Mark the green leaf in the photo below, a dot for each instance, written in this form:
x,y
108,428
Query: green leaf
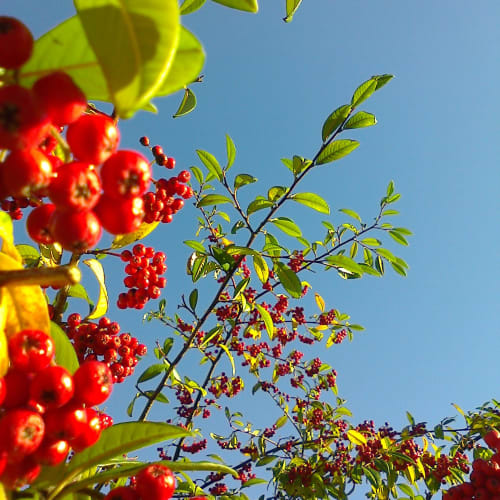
x,y
135,44
243,179
245,5
193,299
299,164
289,279
122,240
258,204
406,490
117,440
313,201
371,242
336,150
29,254
342,262
231,152
356,437
363,92
195,245
382,80
266,460
287,226
403,230
198,174
78,291
187,64
268,321
398,237
351,213
211,163
360,120
151,372
275,193
187,104
399,269
291,8
189,6
253,482
102,302
281,422
213,199
261,268
230,356
65,353
335,119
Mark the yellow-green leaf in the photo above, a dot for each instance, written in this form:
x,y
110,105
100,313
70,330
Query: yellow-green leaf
x,y
320,302
101,305
268,321
261,268
122,240
356,437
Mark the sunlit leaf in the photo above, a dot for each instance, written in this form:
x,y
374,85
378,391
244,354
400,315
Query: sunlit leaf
x,y
134,43
291,8
287,226
243,179
268,322
187,104
313,201
356,437
122,240
189,6
261,268
258,204
334,120
231,151
360,120
101,305
246,5
211,163
289,280
320,302
213,199
363,92
336,150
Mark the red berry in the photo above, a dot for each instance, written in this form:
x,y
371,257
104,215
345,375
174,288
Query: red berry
x,y
92,432
52,387
155,481
62,100
144,140
22,123
126,174
19,474
184,176
37,223
3,390
52,452
157,150
170,163
76,187
492,439
31,350
93,383
25,172
17,384
65,423
22,432
75,231
16,43
123,493
93,138
120,216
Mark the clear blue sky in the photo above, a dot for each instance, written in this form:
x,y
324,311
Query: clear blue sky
x,y
431,339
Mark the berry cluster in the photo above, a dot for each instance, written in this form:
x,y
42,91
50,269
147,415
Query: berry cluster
x,y
144,268
97,186
44,410
103,342
484,481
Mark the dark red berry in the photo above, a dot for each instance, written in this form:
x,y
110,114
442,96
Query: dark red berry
x,y
155,481
16,43
37,223
52,387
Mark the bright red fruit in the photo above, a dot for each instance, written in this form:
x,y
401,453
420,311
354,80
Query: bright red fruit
x,y
37,223
22,124
65,423
76,187
62,100
52,452
52,387
16,43
18,474
120,216
25,172
22,432
126,174
492,439
31,350
155,481
92,432
123,493
75,231
18,386
93,138
93,383
3,390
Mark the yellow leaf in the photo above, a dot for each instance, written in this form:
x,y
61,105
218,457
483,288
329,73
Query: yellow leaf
x,y
458,409
102,302
411,474
320,302
7,235
122,240
3,495
420,467
426,443
356,437
4,355
24,305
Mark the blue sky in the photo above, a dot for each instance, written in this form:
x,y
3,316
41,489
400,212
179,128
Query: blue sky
x,y
431,339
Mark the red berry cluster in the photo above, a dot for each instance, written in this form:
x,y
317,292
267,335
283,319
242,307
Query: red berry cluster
x,y
144,268
44,410
103,342
153,482
484,481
